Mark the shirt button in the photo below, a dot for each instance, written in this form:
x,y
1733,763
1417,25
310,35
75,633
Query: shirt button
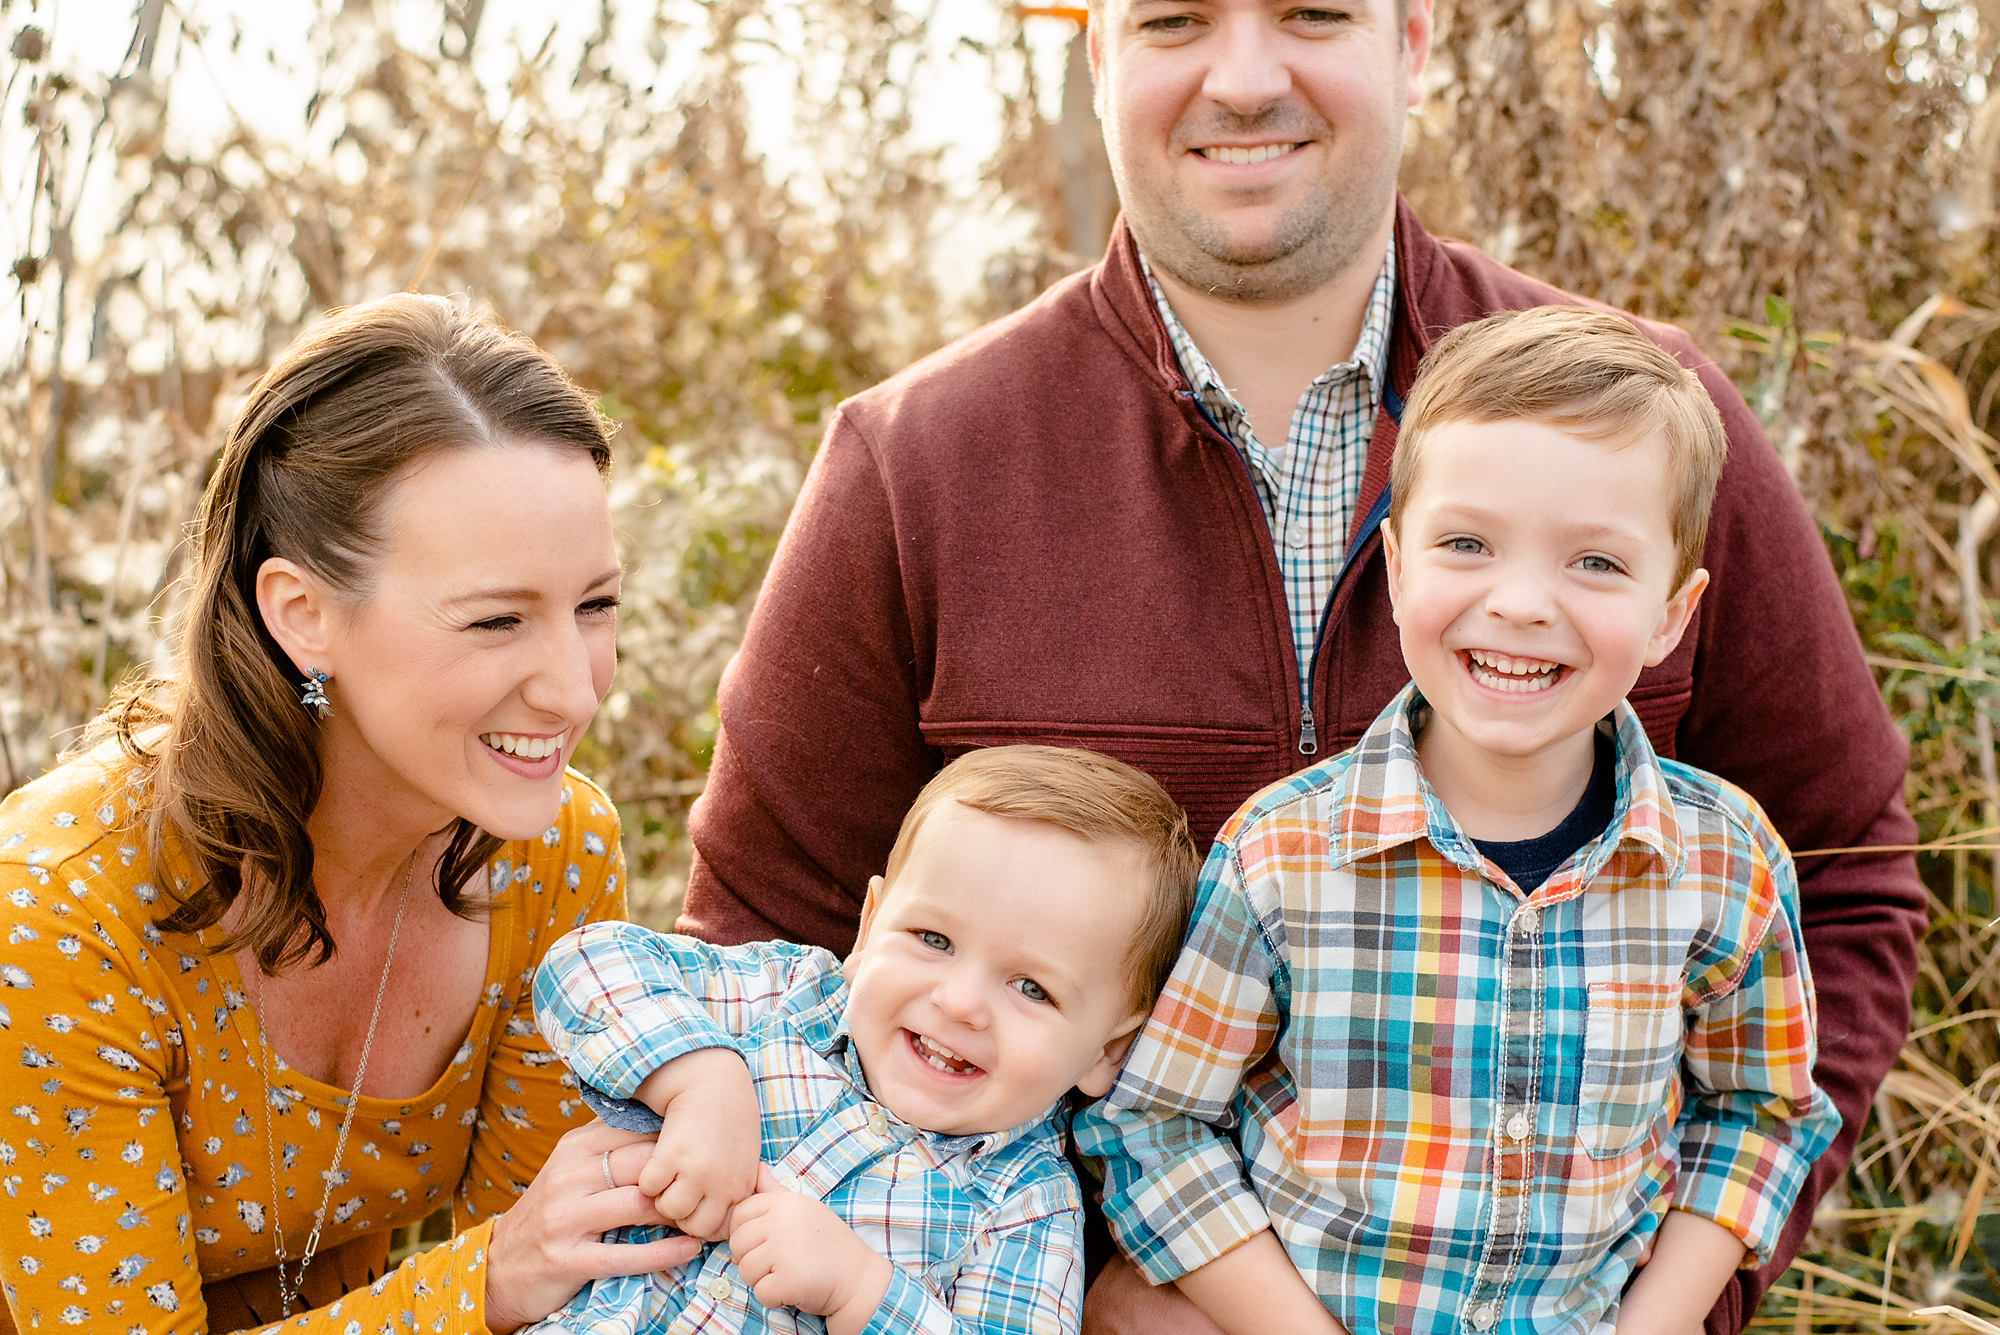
x,y
1517,1127
1484,1315
1295,536
1527,919
877,1122
720,1287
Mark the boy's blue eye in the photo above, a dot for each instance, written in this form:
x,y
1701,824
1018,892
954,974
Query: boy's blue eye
x,y
935,940
1600,565
1032,990
1467,546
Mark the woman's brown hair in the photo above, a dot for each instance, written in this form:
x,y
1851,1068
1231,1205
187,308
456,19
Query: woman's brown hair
x,y
303,476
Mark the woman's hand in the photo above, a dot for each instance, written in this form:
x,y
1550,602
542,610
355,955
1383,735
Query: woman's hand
x,y
546,1247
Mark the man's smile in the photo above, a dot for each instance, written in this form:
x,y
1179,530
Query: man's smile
x,y
1247,155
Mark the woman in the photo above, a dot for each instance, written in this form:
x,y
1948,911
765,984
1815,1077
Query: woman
x,y
326,858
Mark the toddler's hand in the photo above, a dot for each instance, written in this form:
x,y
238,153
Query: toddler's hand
x,y
705,1160
795,1252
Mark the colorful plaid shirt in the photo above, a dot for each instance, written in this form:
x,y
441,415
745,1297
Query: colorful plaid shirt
x,y
1460,1108
1309,483
985,1230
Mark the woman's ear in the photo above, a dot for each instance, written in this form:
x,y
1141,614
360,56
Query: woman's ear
x,y
296,611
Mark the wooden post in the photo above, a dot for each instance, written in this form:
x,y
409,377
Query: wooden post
x,y
1089,198
1974,524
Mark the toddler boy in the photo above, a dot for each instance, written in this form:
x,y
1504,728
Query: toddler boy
x,y
900,1108
1465,1009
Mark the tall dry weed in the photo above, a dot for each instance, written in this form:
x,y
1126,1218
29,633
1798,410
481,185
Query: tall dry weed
x,y
1807,185
719,307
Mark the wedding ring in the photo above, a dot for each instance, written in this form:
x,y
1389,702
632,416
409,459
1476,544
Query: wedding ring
x,y
605,1164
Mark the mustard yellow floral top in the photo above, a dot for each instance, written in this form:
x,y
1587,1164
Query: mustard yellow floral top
x,y
133,1151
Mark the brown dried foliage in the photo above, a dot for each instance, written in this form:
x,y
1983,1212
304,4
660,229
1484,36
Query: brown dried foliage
x,y
720,312
1793,180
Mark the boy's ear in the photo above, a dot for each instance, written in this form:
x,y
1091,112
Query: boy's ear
x,y
1674,618
877,888
1103,1072
1392,552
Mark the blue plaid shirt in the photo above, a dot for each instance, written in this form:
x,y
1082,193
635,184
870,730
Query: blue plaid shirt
x,y
985,1230
1309,482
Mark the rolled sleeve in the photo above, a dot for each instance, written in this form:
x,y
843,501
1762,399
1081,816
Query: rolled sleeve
x,y
1175,1192
1756,1120
617,1002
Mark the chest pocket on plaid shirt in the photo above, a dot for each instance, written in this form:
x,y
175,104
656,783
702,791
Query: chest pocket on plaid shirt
x,y
1631,1048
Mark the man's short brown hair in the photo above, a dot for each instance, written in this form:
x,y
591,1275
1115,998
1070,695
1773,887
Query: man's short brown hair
x,y
1093,797
1586,372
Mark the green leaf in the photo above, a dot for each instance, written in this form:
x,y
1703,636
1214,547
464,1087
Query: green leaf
x,y
1916,646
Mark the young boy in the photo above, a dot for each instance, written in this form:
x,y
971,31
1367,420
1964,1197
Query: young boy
x,y
897,1108
1464,1010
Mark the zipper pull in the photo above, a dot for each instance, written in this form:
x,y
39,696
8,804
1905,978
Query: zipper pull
x,y
1308,735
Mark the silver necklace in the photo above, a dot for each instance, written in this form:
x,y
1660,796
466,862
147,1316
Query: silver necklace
x,y
288,1291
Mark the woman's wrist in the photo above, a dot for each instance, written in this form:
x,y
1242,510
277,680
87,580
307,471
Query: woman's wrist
x,y
501,1315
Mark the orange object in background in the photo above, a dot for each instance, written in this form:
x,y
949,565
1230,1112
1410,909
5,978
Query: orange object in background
x,y
1075,14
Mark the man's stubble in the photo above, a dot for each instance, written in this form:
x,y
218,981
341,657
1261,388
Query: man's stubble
x,y
1315,240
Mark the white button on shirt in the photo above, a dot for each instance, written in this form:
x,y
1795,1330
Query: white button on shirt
x,y
719,1287
1517,1127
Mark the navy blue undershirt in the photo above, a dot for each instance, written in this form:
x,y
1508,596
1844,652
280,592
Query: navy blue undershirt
x,y
1531,861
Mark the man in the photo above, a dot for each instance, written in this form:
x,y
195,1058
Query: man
x,y
1065,529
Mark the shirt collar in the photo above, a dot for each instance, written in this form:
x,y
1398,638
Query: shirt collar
x,y
1382,800
1370,350
823,1025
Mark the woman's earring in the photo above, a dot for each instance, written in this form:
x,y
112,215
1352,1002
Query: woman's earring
x,y
314,696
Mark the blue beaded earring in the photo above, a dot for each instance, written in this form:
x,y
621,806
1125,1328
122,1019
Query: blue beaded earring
x,y
314,695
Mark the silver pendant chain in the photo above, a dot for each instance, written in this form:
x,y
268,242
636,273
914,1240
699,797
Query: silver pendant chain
x,y
289,1291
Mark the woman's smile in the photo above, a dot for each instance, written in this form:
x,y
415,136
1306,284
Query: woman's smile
x,y
530,757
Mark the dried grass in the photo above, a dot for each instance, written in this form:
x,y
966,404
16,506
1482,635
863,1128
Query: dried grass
x,y
1808,186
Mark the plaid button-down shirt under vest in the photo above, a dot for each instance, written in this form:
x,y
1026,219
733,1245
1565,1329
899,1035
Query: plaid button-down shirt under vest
x,y
1461,1109
1308,484
986,1231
